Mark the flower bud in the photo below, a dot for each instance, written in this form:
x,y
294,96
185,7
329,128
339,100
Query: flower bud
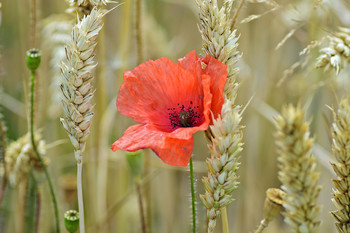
x,y
135,161
273,203
71,220
33,58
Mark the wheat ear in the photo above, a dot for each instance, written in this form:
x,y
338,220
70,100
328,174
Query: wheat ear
x,y
77,89
219,40
225,136
337,53
223,164
297,170
341,151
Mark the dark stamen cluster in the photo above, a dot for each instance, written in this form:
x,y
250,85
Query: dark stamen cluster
x,y
184,116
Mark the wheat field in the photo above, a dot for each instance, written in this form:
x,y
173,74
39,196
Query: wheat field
x,y
286,96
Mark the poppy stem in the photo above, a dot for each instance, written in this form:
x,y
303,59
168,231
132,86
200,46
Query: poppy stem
x,y
47,175
80,192
224,220
142,212
193,197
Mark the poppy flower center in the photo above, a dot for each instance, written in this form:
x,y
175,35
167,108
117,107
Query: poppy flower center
x,y
184,116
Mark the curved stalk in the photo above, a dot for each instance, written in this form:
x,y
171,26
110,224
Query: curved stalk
x,y
47,175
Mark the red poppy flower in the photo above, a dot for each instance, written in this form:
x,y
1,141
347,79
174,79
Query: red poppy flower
x,y
171,101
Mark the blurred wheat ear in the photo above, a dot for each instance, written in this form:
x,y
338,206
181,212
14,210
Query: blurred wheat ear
x,y
337,52
297,170
340,147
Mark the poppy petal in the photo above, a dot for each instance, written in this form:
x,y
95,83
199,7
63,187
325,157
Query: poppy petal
x,y
149,90
216,70
173,151
218,74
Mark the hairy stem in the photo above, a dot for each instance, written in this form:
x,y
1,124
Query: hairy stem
x,y
193,197
142,212
47,175
224,220
80,192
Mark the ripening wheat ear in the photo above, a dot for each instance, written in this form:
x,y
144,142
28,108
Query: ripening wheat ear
x,y
21,158
219,40
223,164
77,90
341,150
297,170
225,135
77,77
337,53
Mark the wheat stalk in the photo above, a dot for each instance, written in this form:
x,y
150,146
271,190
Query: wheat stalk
x,y
341,150
297,170
77,89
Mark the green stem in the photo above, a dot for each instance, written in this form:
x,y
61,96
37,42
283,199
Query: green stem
x,y
224,220
142,212
52,192
31,204
193,197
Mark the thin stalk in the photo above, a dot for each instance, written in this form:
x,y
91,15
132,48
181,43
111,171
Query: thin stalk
x,y
47,175
261,227
235,16
139,31
224,220
142,212
38,209
147,189
193,197
30,204
80,193
34,25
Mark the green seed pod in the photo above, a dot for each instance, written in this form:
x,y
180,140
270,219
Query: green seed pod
x,y
33,59
135,161
71,220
